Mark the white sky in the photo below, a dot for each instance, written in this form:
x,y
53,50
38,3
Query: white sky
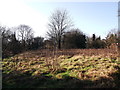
x,y
16,12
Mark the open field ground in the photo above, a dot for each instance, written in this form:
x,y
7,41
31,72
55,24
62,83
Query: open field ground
x,y
74,68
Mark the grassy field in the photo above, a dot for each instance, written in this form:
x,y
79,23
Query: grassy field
x,y
74,68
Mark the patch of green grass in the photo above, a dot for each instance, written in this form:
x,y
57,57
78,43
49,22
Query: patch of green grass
x,y
73,73
62,75
49,74
7,71
86,68
113,60
118,62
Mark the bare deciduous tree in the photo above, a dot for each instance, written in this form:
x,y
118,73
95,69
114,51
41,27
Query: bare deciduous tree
x,y
25,33
59,22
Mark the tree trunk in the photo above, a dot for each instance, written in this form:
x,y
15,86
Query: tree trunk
x,y
59,43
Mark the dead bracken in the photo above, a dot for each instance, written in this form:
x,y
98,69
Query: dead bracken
x,y
86,69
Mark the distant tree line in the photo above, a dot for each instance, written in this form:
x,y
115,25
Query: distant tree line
x,y
61,35
21,38
18,39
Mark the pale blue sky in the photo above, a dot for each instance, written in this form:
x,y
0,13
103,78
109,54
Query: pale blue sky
x,y
89,17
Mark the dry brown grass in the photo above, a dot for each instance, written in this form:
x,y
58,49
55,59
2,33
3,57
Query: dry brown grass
x,y
85,66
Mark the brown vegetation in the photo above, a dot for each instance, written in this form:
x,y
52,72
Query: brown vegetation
x,y
74,68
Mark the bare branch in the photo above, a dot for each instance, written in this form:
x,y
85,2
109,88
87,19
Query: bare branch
x,y
59,22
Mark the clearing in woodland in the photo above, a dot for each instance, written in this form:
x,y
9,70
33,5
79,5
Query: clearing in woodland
x,y
69,68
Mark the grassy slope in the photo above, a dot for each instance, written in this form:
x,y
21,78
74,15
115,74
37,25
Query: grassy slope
x,y
65,69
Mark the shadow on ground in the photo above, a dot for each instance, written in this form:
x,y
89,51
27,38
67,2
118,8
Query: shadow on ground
x,y
26,80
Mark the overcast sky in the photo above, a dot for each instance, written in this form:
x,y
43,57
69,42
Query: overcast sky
x,y
89,17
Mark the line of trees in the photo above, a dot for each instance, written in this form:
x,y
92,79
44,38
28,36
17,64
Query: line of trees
x,y
61,35
18,39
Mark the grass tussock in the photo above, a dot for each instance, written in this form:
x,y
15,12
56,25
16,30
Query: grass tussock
x,y
64,68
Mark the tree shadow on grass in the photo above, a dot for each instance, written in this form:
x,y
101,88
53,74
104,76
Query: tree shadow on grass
x,y
26,80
